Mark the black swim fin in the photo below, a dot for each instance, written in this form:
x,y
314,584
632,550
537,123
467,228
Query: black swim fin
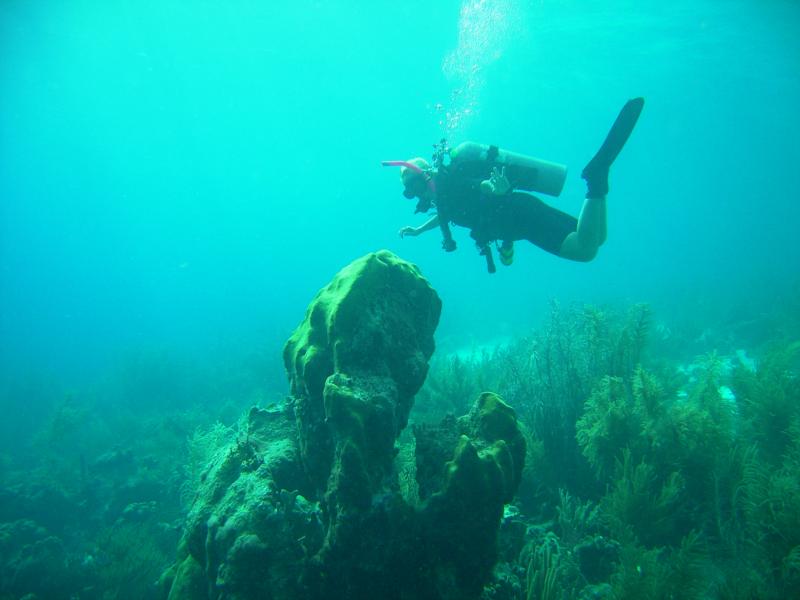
x,y
596,172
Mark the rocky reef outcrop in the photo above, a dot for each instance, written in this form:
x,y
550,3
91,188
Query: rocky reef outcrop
x,y
314,500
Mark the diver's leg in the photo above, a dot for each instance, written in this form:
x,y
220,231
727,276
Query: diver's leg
x,y
583,243
590,234
528,218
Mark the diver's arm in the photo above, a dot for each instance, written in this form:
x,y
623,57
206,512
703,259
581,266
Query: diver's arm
x,y
431,223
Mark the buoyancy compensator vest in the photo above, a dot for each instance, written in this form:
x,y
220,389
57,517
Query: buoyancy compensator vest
x,y
476,161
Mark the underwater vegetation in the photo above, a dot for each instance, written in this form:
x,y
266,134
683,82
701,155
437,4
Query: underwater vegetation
x,y
93,495
693,487
586,459
646,477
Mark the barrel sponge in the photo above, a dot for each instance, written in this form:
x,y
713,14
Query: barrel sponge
x,y
377,316
493,425
462,519
359,357
489,457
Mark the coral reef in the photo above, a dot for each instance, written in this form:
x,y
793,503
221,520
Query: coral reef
x,y
243,521
313,501
630,466
92,503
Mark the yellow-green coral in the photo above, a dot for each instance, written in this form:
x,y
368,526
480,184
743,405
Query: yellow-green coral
x,y
372,327
608,425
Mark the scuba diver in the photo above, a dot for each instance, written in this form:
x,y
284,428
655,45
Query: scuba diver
x,y
485,189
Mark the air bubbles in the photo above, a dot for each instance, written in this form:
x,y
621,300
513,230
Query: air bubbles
x,y
484,29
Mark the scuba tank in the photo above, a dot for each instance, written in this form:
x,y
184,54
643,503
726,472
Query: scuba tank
x,y
523,172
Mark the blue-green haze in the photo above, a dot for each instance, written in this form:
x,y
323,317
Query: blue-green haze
x,y
183,176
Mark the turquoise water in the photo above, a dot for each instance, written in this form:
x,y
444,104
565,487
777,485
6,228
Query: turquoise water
x,y
178,179
186,176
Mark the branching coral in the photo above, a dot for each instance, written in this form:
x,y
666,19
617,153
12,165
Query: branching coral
x,y
545,570
608,426
661,574
131,560
769,400
642,506
575,519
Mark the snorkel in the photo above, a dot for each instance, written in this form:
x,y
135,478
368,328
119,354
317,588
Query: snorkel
x,y
409,165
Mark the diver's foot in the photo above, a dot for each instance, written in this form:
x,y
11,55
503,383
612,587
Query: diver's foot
x,y
596,172
596,176
506,252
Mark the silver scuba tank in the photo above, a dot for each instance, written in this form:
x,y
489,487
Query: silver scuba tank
x,y
523,172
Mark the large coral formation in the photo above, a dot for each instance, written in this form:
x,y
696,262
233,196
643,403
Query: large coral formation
x,y
244,522
354,365
309,503
373,327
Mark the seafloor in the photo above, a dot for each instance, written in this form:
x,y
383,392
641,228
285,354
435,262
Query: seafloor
x,y
613,452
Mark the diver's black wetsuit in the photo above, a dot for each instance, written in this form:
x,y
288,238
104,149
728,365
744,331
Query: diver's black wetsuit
x,y
510,217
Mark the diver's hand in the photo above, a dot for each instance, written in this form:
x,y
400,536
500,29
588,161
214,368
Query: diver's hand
x,y
497,184
408,230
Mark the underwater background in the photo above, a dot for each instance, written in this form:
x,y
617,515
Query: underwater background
x,y
179,179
